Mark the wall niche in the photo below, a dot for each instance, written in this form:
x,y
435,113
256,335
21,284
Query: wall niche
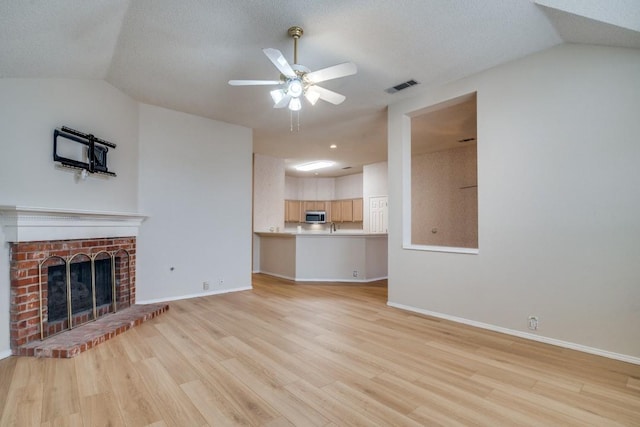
x,y
444,183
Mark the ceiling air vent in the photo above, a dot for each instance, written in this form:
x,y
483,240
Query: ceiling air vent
x,y
346,167
401,86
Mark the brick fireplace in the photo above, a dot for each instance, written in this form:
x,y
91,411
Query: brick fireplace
x,y
31,297
72,279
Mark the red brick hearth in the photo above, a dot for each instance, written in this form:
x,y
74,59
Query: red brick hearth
x,y
40,317
75,341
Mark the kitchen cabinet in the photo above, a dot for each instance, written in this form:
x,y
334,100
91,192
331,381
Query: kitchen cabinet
x,y
357,210
325,206
336,211
314,205
349,210
293,211
346,208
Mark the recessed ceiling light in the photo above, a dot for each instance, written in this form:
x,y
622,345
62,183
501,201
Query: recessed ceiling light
x,y
318,164
333,146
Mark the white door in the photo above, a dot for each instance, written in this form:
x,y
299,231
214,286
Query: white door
x,y
378,214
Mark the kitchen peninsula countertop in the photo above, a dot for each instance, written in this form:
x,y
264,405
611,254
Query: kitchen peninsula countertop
x,y
317,234
341,256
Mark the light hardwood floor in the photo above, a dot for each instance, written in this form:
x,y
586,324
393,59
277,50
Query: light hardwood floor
x,y
316,355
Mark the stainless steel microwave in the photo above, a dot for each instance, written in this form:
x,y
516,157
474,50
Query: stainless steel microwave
x,y
315,217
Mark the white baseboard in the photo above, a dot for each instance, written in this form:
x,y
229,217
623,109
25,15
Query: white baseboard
x,y
281,276
525,335
324,280
341,280
202,294
5,354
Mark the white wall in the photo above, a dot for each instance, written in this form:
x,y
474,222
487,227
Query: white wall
x,y
559,202
349,186
268,199
291,188
268,193
278,256
30,109
297,188
344,187
195,185
374,183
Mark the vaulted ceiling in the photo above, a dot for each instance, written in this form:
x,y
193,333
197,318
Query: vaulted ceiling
x,y
180,55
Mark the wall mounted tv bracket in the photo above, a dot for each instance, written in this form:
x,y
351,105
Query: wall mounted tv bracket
x,y
96,152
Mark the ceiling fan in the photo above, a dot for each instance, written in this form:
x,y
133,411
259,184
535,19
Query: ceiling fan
x,y
297,80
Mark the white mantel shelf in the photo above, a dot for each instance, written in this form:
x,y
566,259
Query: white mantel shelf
x,y
30,224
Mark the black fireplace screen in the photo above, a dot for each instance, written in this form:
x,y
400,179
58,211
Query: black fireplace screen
x,y
82,294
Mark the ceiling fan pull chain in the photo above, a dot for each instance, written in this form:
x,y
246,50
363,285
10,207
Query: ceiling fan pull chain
x,y
297,121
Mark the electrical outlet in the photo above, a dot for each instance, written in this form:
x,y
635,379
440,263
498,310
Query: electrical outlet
x,y
355,273
533,323
205,286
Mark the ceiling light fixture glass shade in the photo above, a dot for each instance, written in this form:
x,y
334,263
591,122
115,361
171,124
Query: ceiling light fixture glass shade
x,y
290,95
319,164
295,104
277,95
312,96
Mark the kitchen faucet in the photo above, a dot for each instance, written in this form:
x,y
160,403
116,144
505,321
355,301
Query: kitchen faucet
x,y
332,227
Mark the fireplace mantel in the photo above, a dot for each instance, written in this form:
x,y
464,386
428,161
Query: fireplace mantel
x,y
29,224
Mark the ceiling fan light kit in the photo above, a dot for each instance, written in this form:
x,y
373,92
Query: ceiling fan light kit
x,y
297,80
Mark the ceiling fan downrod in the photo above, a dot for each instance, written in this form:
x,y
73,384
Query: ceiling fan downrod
x,y
295,32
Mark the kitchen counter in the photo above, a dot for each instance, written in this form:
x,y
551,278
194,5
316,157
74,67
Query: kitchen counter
x,y
342,256
318,233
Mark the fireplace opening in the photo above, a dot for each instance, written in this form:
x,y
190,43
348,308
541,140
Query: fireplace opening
x,y
82,289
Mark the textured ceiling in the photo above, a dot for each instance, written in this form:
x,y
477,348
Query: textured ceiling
x,y
180,55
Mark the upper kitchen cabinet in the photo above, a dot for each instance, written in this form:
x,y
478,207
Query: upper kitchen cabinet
x,y
340,198
314,205
357,210
336,211
293,211
349,210
346,206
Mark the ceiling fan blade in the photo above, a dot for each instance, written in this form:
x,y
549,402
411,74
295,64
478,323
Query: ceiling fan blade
x,y
312,95
334,72
329,95
283,102
253,82
276,57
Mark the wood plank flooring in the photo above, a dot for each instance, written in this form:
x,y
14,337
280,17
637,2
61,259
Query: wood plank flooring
x,y
288,354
